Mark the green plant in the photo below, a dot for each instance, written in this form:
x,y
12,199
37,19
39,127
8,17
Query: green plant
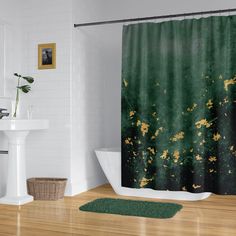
x,y
24,88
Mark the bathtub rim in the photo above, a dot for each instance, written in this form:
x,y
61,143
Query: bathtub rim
x,y
121,190
113,149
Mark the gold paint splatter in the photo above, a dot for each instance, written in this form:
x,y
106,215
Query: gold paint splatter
x,y
199,134
131,114
216,137
198,157
144,128
190,109
211,170
209,104
135,153
125,82
226,100
234,153
158,130
176,155
154,114
138,123
149,161
191,150
202,142
157,133
184,188
128,141
230,172
151,150
164,154
203,122
229,82
231,148
195,186
144,181
177,136
212,158
139,142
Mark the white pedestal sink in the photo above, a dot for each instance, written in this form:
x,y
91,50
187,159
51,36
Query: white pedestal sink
x,y
16,131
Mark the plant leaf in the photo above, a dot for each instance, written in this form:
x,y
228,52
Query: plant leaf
x,y
24,88
17,75
29,79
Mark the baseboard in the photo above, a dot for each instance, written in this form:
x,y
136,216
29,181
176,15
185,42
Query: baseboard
x,y
78,187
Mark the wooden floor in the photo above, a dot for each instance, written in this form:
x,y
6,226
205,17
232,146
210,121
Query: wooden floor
x,y
215,216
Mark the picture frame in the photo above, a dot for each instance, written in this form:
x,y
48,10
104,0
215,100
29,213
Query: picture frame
x,y
47,56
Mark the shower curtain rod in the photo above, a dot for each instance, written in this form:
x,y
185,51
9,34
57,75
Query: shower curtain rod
x,y
153,17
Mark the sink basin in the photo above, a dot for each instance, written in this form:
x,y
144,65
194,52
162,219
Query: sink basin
x,y
16,132
8,125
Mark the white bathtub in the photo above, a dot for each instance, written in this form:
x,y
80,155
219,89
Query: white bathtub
x,y
110,161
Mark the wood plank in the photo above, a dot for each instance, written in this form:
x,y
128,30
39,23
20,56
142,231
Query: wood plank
x,y
215,216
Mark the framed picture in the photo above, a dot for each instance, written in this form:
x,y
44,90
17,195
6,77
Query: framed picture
x,y
47,56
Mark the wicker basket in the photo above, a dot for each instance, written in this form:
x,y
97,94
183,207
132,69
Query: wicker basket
x,y
46,188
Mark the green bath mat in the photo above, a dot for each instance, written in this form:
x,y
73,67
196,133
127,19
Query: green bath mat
x,y
132,208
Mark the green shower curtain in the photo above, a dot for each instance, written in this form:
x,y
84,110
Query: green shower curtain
x,y
179,105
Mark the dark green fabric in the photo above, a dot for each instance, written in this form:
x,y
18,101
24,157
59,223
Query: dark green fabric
x,y
179,105
132,208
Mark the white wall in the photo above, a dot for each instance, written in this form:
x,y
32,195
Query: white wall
x,y
11,24
95,10
48,152
88,110
95,95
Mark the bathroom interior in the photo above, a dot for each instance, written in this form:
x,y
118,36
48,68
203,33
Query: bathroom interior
x,y
76,123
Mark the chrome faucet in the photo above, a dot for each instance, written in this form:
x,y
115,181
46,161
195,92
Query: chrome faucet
x,y
3,113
